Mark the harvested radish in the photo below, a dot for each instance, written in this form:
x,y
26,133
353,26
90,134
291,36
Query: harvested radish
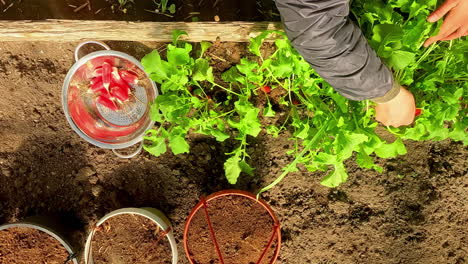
x,y
266,89
121,93
97,87
107,102
106,74
95,80
97,72
128,76
112,85
118,80
418,112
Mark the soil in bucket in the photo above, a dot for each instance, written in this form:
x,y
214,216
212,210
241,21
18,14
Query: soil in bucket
x,y
130,238
23,245
243,229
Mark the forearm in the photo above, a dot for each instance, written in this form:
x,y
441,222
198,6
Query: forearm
x,y
334,46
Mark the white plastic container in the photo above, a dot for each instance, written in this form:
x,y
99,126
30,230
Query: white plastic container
x,y
39,225
155,215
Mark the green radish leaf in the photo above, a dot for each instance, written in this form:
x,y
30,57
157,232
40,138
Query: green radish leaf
x,y
336,177
204,47
232,169
155,113
248,123
268,111
399,59
303,131
157,146
219,135
326,159
178,144
459,132
172,9
365,161
256,43
391,150
178,56
247,67
273,130
232,75
246,168
202,71
176,34
158,69
346,143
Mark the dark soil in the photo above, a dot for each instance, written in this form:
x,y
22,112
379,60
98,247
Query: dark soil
x,y
130,239
186,10
22,245
242,228
415,212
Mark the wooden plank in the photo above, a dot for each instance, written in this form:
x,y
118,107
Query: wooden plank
x,y
76,30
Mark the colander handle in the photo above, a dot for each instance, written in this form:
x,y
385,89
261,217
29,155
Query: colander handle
x,y
131,155
77,50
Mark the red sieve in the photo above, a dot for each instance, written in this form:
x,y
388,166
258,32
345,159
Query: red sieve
x,y
276,230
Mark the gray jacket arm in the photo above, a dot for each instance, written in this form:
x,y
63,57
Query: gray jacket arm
x,y
335,47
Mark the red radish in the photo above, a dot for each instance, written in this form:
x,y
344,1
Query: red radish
x,y
118,80
96,80
418,112
266,89
105,101
97,72
128,76
98,87
295,102
120,93
106,74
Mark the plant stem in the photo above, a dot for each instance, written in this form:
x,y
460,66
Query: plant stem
x,y
426,53
226,89
291,166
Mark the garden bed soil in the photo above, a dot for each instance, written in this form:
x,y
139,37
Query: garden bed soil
x,y
242,227
23,245
414,212
130,238
186,10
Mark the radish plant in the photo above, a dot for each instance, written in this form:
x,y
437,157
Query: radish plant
x,y
327,129
163,8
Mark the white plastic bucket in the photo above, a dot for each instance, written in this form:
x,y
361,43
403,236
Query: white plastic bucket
x,y
48,230
157,216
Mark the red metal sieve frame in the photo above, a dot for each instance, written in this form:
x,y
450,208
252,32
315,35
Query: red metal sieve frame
x,y
202,203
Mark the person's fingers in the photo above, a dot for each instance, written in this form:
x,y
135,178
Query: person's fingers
x,y
443,33
406,122
430,40
457,34
442,10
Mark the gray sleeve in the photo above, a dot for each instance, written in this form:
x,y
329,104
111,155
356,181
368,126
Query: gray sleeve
x,y
335,47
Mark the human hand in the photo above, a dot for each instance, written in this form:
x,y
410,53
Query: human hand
x,y
397,112
455,24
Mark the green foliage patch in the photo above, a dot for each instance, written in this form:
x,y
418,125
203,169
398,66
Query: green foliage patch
x,y
326,128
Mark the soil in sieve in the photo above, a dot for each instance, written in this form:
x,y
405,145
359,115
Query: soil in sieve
x,y
23,245
243,229
130,238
